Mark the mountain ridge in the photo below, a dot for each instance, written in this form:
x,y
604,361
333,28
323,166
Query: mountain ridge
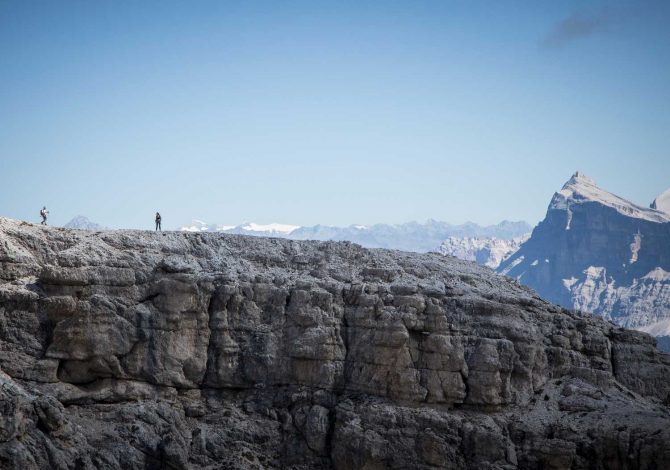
x,y
581,189
597,252
409,236
489,252
81,222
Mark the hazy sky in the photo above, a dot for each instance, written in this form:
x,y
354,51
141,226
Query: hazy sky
x,y
327,112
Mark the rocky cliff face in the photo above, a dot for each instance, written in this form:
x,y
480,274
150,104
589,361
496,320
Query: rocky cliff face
x,y
132,350
597,252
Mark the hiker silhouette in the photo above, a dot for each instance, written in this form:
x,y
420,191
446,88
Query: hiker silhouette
x,y
44,213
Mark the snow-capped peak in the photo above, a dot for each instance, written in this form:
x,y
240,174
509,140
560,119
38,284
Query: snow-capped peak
x,y
271,228
581,189
195,226
662,202
83,223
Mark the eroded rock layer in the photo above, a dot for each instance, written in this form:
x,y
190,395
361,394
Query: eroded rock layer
x,y
140,350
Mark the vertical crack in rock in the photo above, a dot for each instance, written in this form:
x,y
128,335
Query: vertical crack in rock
x,y
210,352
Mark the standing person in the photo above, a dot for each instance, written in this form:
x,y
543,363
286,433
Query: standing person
x,y
44,213
158,222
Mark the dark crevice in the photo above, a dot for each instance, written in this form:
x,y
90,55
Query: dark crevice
x,y
613,360
210,352
149,298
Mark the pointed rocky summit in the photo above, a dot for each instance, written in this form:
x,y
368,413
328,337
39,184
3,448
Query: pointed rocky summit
x,y
600,253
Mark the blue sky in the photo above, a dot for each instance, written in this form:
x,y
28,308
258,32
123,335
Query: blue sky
x,y
327,112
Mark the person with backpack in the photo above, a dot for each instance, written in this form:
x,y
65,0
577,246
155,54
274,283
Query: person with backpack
x,y
158,222
44,213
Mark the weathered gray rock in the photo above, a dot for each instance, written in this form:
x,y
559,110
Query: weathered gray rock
x,y
132,350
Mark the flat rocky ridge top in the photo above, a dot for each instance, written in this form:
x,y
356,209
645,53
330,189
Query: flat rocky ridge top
x,y
135,349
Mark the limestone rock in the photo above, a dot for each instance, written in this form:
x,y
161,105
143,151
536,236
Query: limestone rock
x,y
133,350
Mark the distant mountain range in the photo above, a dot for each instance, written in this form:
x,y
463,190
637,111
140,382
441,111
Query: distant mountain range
x,y
81,222
489,252
600,253
411,236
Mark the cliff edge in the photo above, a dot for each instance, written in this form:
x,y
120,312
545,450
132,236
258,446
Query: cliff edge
x,y
133,350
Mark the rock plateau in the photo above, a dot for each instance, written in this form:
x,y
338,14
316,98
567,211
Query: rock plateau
x,y
137,350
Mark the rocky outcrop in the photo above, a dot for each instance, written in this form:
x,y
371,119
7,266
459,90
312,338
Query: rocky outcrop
x,y
129,349
599,253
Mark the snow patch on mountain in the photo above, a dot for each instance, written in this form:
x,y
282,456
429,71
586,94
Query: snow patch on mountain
x,y
568,283
635,247
657,274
